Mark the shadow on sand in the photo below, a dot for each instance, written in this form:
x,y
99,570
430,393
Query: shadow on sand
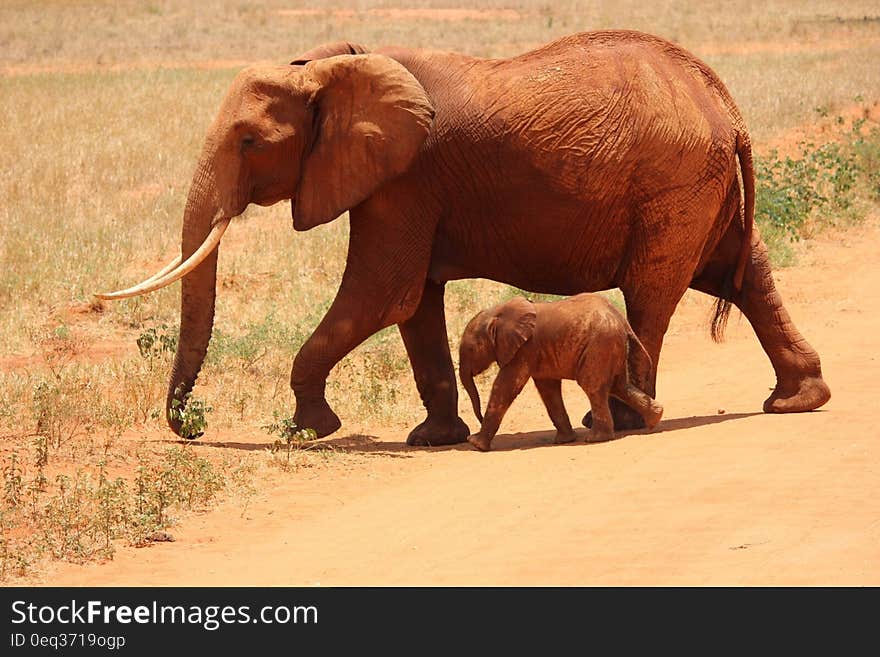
x,y
532,439
354,443
357,443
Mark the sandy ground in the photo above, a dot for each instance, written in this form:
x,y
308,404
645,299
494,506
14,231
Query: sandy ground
x,y
719,494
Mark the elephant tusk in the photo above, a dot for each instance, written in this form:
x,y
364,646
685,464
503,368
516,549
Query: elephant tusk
x,y
159,274
167,268
175,270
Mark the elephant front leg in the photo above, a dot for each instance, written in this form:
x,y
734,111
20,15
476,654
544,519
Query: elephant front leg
x,y
427,345
331,341
358,312
508,384
382,286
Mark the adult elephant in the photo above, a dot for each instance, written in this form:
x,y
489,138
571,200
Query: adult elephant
x,y
603,159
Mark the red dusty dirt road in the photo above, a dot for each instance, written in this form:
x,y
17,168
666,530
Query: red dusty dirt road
x,y
732,498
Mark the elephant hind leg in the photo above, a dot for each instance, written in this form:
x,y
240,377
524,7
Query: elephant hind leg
x,y
424,336
799,383
649,309
551,394
650,410
603,426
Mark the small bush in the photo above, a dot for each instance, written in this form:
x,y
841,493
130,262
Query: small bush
x,y
192,414
12,481
796,196
154,343
62,408
290,436
866,149
182,479
79,517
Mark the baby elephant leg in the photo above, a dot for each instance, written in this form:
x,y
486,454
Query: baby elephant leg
x,y
603,422
650,410
508,384
551,394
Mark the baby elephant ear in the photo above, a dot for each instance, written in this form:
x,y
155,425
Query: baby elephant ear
x,y
513,325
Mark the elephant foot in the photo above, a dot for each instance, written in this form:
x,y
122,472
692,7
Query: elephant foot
x,y
600,435
318,416
653,414
482,443
431,433
625,418
177,427
562,438
806,394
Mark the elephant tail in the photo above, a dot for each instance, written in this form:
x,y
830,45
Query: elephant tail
x,y
637,354
734,285
747,169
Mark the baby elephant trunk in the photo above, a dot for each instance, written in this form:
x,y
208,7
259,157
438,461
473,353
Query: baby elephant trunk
x,y
467,380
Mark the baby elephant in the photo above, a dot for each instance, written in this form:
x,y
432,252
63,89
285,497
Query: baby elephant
x,y
583,338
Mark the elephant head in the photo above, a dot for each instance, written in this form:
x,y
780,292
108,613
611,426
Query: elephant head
x,y
325,134
493,335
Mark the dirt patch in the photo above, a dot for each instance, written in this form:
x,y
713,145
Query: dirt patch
x,y
826,128
61,353
71,335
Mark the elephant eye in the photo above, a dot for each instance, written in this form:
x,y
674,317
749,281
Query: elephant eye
x,y
248,141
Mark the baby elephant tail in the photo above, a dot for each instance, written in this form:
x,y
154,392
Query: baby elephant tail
x,y
638,355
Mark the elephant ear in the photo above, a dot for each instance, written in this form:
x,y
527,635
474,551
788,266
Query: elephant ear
x,y
512,326
371,117
329,50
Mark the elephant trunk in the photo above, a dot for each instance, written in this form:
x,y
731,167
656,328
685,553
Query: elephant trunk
x,y
197,292
467,380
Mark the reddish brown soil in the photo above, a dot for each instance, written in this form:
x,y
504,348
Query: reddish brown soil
x,y
838,122
719,494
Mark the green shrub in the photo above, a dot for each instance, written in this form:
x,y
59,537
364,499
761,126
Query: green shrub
x,y
12,481
182,479
62,407
795,196
192,414
867,155
155,342
290,435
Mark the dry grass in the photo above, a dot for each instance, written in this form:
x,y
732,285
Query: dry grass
x,y
105,105
777,56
